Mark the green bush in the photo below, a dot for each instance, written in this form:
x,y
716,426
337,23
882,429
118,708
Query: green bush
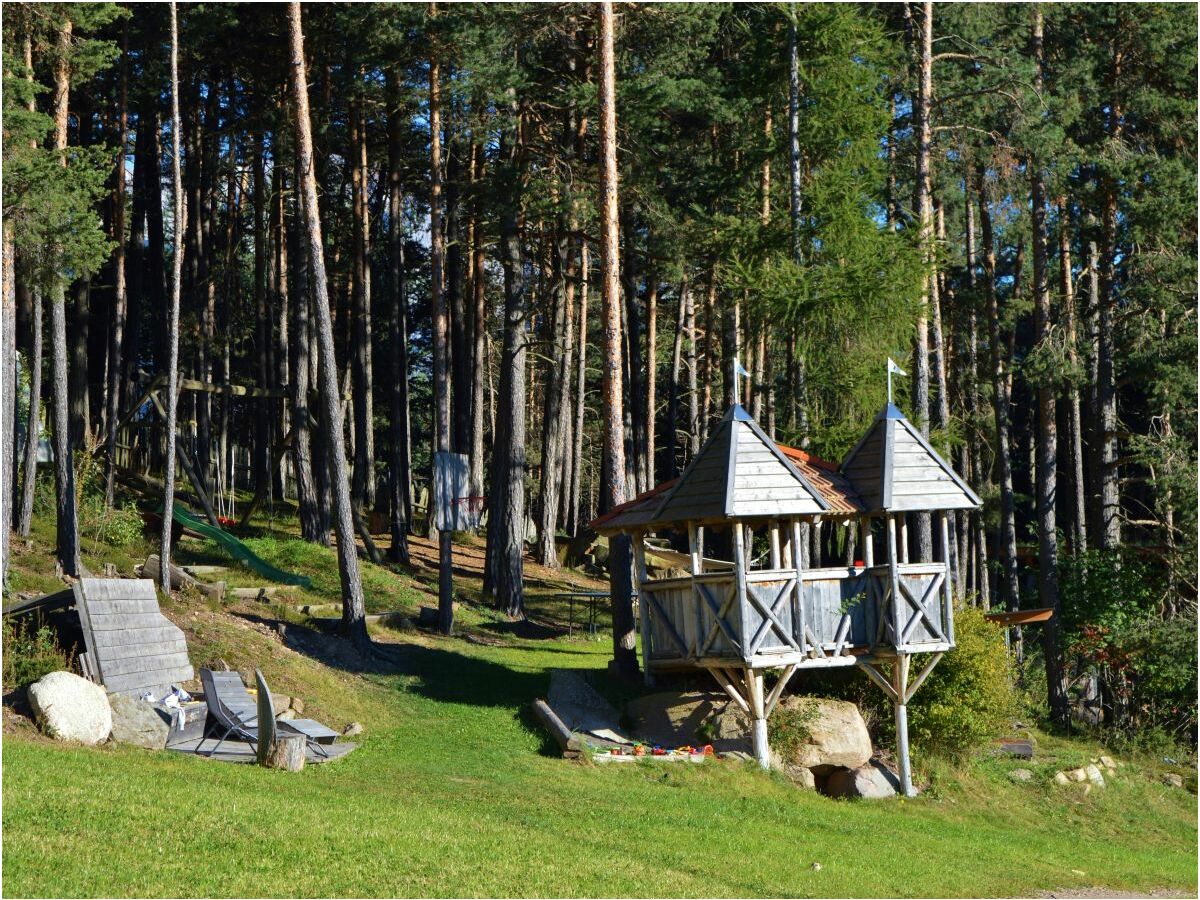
x,y
788,727
968,699
118,526
30,654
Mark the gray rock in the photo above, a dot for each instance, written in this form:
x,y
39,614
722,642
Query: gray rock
x,y
1108,763
353,729
578,704
1173,780
1020,775
1061,778
873,781
1094,776
298,705
138,722
285,715
70,708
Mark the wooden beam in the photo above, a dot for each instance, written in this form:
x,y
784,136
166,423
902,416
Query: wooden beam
x,y
920,679
186,464
777,690
236,390
724,681
947,586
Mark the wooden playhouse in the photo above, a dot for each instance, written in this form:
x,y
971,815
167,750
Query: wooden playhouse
x,y
782,608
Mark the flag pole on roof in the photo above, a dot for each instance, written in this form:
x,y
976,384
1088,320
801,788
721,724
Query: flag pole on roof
x,y
738,369
892,367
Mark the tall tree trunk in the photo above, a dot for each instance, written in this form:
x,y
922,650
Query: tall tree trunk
x,y
651,379
441,348
480,329
33,427
1010,584
555,406
312,525
1047,439
353,606
1078,502
456,300
506,526
262,319
672,459
981,572
117,324
283,347
923,201
585,264
635,426
400,447
64,468
180,222
693,395
8,393
620,561
1104,415
363,485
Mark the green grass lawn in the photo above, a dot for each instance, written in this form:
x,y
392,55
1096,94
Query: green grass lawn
x,y
455,791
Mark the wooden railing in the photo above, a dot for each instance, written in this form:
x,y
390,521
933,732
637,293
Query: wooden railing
x,y
818,617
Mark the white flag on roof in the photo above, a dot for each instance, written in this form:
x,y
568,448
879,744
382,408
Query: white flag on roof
x,y
741,370
892,367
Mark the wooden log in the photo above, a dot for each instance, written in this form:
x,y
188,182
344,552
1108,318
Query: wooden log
x,y
286,752
552,723
152,568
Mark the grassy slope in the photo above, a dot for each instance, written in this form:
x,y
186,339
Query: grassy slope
x,y
455,792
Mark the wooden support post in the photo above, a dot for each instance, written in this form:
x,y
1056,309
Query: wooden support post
x,y
739,577
776,552
696,545
758,708
639,561
868,544
903,523
900,686
186,464
799,626
947,587
894,574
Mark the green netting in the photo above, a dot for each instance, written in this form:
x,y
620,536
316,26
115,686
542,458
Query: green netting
x,y
237,549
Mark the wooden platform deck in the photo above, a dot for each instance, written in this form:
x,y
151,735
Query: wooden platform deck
x,y
242,752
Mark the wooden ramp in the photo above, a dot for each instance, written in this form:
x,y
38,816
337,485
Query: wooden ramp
x,y
131,646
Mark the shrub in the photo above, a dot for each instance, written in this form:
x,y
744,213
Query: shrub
x,y
968,699
30,654
788,727
118,526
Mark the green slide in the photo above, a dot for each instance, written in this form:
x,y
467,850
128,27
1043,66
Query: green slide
x,y
237,549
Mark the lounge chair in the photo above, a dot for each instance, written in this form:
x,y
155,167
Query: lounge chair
x,y
235,714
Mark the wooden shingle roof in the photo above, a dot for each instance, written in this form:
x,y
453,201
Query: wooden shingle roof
x,y
894,469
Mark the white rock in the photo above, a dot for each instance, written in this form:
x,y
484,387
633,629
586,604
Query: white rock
x,y
1108,763
1173,780
70,708
1094,776
1061,778
1078,774
354,728
872,782
1020,775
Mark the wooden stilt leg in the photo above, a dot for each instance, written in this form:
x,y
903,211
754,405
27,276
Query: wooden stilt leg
x,y
900,685
758,709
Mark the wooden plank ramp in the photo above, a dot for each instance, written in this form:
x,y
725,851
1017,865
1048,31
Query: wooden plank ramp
x,y
132,647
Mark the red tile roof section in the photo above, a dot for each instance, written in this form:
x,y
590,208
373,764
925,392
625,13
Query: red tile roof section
x,y
821,474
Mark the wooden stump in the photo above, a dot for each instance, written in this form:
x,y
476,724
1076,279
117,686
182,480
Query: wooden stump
x,y
285,752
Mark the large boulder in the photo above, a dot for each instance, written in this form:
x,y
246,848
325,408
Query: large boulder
x,y
70,708
137,722
871,782
837,736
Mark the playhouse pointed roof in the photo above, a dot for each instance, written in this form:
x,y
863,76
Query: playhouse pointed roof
x,y
739,473
893,468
